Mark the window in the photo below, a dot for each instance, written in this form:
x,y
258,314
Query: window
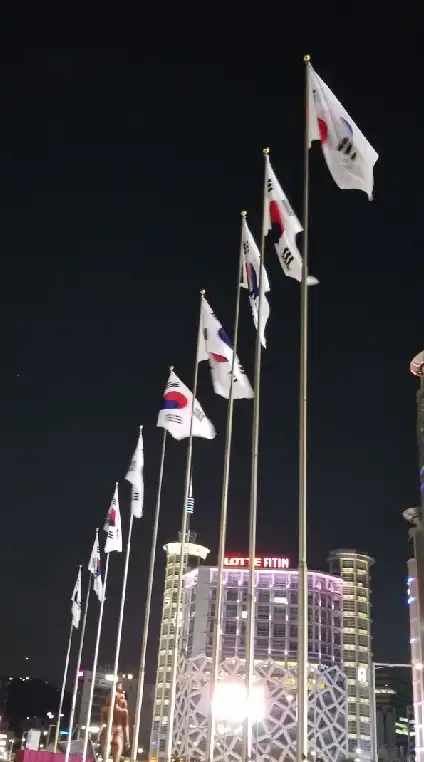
x,y
262,628
279,613
230,627
232,594
231,610
263,596
279,630
263,612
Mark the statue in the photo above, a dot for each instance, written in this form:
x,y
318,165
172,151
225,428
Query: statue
x,y
120,739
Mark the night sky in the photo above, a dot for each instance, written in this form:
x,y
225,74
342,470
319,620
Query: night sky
x,y
128,149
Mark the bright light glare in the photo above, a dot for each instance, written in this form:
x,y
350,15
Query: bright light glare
x,y
230,702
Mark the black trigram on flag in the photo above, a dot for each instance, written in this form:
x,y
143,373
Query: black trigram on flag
x,y
173,418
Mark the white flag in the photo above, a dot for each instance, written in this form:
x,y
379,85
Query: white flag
x,y
284,226
349,156
215,346
251,264
76,601
175,414
94,566
135,477
113,526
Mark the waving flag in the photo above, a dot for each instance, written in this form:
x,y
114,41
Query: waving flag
x,y
94,567
175,413
113,525
349,156
251,264
282,223
76,601
135,477
216,347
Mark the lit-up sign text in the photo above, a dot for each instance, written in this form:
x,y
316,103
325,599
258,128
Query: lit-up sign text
x,y
261,562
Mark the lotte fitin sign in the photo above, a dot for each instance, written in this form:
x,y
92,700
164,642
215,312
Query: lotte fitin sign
x,y
261,562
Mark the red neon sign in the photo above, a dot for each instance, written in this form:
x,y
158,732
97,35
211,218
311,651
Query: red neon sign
x,y
261,562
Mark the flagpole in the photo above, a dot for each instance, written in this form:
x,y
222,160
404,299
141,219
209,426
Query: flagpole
x,y
183,543
216,641
65,674
96,656
250,639
74,694
118,642
142,668
302,614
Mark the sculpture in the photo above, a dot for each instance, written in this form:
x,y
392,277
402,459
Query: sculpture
x,y
120,739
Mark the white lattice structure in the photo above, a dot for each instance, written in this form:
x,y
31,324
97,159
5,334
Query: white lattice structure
x,y
275,735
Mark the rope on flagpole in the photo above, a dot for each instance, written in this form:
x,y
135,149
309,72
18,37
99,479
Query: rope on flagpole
x,y
250,639
74,693
217,630
302,613
62,692
142,668
96,656
183,539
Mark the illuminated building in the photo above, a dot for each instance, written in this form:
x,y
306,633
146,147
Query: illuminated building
x,y
416,574
354,569
395,726
275,662
193,554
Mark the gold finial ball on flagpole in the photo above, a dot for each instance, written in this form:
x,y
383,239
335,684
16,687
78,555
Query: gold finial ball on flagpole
x,y
306,58
202,292
244,213
266,151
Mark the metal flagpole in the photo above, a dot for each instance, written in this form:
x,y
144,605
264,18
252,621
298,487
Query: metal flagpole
x,y
62,692
74,694
183,540
302,614
142,668
118,643
96,656
250,639
216,641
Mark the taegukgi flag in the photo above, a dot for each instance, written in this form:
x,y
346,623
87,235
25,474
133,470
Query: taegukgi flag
x,y
135,477
175,413
349,156
113,525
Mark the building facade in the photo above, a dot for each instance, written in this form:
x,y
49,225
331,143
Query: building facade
x,y
193,555
354,570
394,712
416,573
339,649
275,615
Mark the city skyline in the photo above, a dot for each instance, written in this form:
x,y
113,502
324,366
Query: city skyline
x,y
125,172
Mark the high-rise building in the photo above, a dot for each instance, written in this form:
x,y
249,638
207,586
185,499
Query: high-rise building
x,y
193,555
354,569
275,663
416,574
395,726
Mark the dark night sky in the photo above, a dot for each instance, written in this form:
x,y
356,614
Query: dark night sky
x,y
128,150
